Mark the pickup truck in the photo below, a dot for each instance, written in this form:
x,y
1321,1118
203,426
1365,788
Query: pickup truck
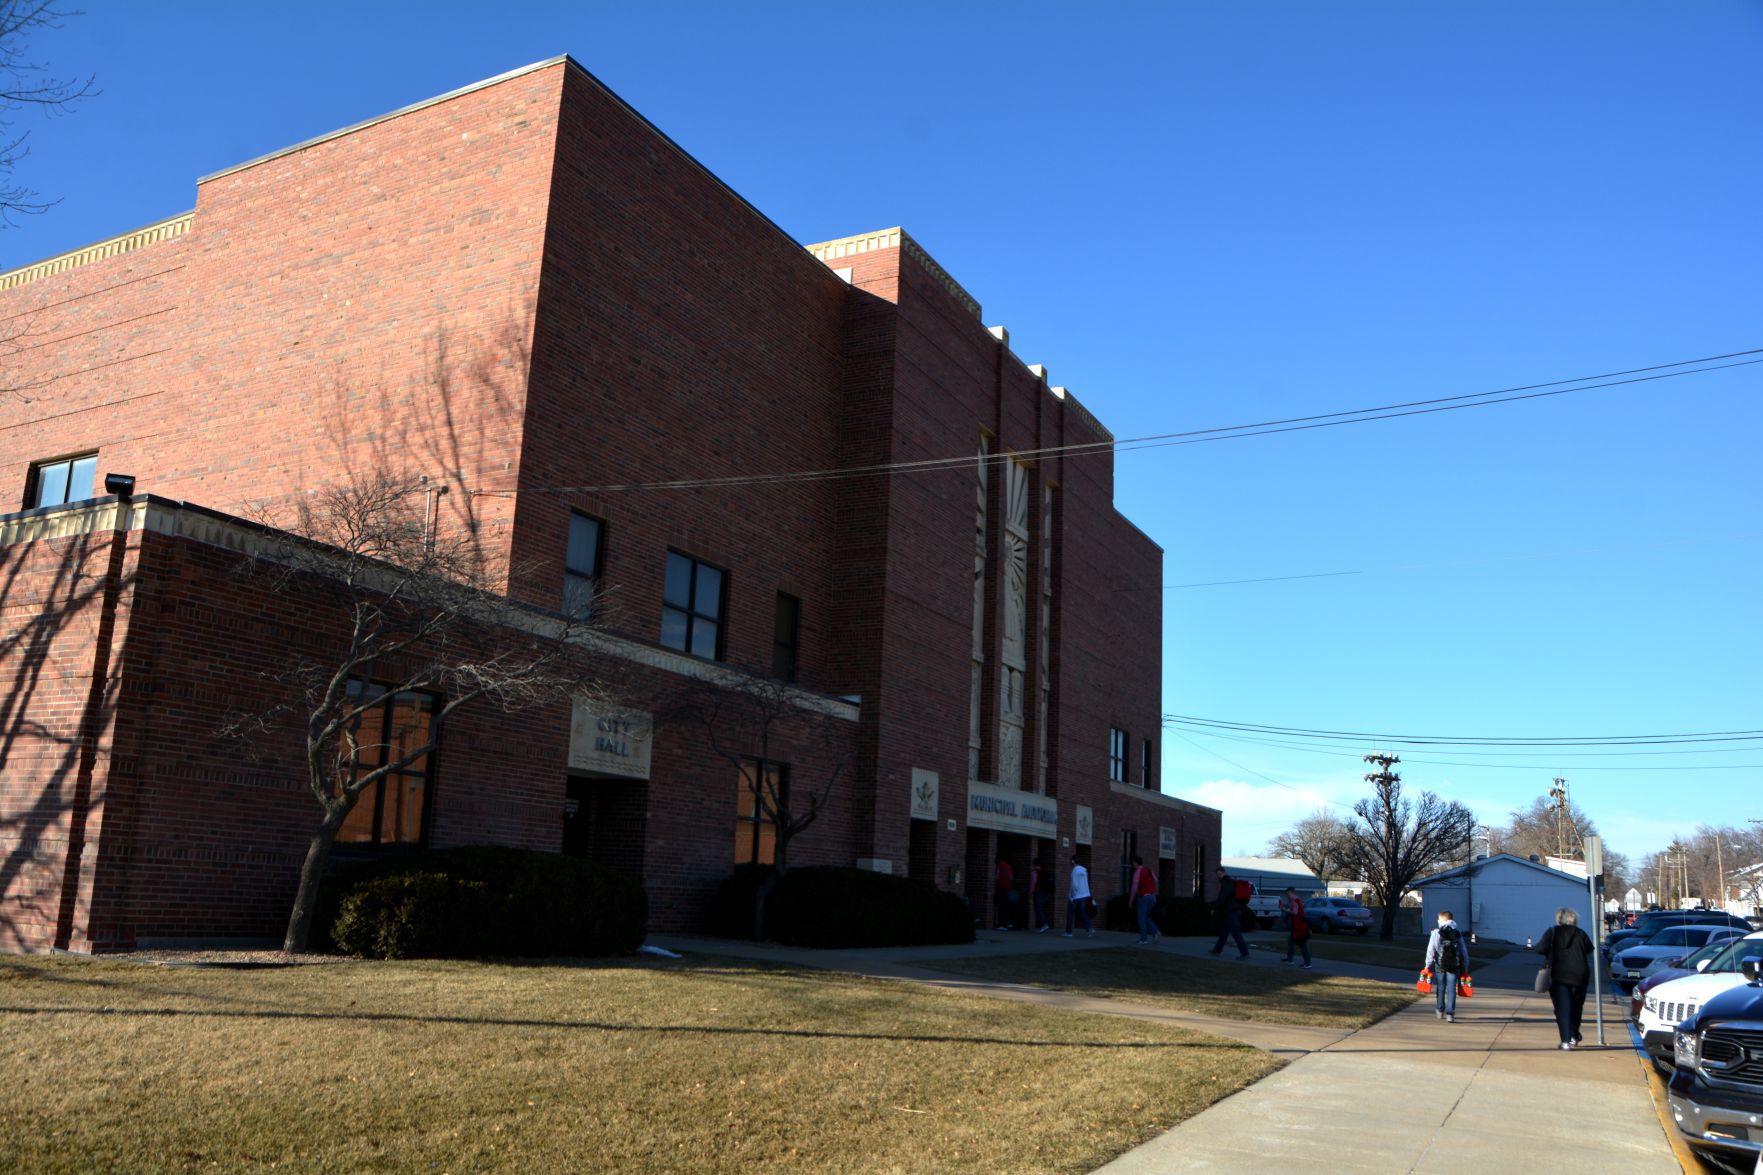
x,y
1264,912
1717,1085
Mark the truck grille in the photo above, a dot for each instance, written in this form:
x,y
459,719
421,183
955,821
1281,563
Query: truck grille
x,y
1733,1054
1673,1012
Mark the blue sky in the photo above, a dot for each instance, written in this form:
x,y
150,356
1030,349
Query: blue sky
x,y
1201,215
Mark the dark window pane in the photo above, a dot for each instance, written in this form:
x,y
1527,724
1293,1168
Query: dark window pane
x,y
578,596
51,484
584,545
708,599
673,628
79,482
704,639
679,581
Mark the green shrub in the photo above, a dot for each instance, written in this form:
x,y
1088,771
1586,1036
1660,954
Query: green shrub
x,y
480,901
736,901
827,906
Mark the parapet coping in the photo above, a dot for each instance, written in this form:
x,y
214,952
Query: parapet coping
x,y
128,242
1157,797
893,238
149,513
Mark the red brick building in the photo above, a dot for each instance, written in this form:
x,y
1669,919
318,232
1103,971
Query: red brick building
x,y
614,366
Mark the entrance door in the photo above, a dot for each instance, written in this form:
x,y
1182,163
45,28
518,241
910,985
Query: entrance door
x,y
604,821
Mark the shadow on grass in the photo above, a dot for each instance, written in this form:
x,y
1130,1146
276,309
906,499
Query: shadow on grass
x,y
608,1026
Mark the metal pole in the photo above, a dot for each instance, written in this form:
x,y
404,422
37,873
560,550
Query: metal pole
x,y
1591,884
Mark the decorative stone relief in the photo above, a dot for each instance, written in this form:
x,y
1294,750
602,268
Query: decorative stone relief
x,y
975,729
1013,655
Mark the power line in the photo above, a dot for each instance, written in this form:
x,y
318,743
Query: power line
x,y
1270,779
1560,387
1360,736
1547,765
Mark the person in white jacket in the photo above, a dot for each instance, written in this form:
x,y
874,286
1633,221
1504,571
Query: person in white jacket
x,y
1447,957
1078,899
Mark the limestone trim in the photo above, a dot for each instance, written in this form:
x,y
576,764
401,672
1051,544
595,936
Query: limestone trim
x,y
198,524
893,238
152,234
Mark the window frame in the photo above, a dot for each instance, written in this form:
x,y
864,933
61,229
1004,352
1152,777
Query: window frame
x,y
34,480
1145,764
571,576
751,827
691,613
1117,754
375,797
786,656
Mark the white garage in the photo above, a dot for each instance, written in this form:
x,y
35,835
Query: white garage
x,y
1504,897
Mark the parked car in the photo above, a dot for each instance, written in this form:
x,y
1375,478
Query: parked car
x,y
1717,1080
1677,969
1628,964
1328,915
1666,1004
1654,921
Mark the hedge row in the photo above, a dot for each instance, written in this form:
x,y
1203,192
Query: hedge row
x,y
828,906
479,902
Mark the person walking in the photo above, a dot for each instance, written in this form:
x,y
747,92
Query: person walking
x,y
1230,916
1077,902
1040,889
1297,926
1447,957
1568,950
1003,893
1144,899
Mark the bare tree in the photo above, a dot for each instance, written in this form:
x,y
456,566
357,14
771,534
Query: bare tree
x,y
24,84
747,719
417,613
1318,840
1542,830
1396,840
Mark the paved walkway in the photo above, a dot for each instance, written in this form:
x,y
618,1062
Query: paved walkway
x,y
1408,1094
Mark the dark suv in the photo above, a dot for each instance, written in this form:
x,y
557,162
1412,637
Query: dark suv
x,y
1717,1086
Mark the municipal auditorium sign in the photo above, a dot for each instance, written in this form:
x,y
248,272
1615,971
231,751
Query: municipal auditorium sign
x,y
1008,810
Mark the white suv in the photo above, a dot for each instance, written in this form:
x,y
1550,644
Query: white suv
x,y
1679,999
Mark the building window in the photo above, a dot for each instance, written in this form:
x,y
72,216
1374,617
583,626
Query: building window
x,y
392,811
1117,755
1145,764
581,565
785,635
691,613
53,482
1199,869
755,833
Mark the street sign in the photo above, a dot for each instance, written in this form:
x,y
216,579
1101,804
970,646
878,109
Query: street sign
x,y
1594,855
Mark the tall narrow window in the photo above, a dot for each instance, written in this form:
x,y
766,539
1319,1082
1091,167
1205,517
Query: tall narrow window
x,y
392,810
53,482
755,834
785,635
691,613
581,565
1117,755
1145,764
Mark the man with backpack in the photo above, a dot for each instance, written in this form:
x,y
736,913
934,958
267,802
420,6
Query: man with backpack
x,y
1447,957
1233,895
1144,898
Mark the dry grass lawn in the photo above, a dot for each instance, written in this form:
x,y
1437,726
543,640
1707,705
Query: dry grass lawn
x,y
1206,987
623,1066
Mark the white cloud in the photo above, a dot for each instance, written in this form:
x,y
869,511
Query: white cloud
x,y
1255,813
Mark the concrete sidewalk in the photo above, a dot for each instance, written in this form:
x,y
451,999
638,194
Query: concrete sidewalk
x,y
1410,1094
1413,1094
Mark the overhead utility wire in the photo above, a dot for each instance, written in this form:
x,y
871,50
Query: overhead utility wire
x,y
1547,765
1503,753
1194,436
1384,739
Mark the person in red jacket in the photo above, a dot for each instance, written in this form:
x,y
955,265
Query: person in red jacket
x,y
1144,898
1003,894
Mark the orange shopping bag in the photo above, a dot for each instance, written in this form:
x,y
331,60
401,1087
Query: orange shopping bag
x,y
1423,985
1466,986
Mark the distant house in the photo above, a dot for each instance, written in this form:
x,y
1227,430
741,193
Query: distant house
x,y
1275,873
1504,897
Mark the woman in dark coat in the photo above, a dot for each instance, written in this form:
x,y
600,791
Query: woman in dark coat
x,y
1569,954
